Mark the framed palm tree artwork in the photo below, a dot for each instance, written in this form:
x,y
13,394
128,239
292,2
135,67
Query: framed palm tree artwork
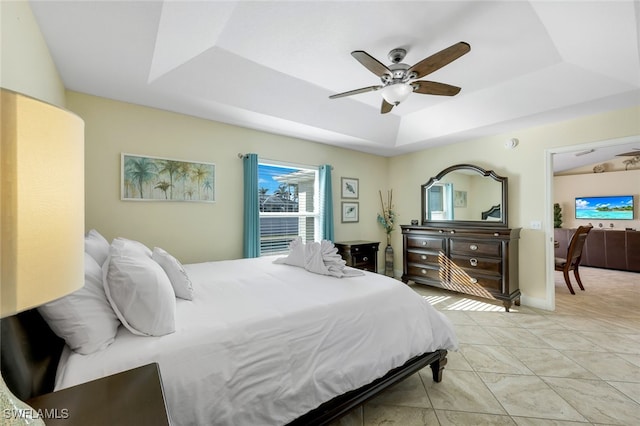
x,y
145,178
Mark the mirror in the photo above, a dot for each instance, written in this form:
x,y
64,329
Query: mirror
x,y
465,194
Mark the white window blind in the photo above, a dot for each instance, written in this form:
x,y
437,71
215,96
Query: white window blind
x,y
288,198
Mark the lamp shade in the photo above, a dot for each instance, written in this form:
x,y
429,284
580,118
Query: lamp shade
x,y
42,203
396,93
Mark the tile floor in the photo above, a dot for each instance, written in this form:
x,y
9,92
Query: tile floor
x,y
577,365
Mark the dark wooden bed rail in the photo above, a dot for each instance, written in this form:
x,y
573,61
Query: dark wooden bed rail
x,y
31,353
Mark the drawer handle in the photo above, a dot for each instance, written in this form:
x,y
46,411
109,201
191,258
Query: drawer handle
x,y
356,249
474,281
496,234
365,258
473,247
423,257
453,231
424,243
423,271
441,231
473,261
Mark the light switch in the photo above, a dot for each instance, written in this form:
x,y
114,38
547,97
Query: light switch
x,y
535,224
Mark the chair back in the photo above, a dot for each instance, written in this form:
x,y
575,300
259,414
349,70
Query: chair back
x,y
576,245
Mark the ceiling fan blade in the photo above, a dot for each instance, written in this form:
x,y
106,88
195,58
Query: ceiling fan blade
x,y
386,107
434,88
629,154
355,92
371,63
440,59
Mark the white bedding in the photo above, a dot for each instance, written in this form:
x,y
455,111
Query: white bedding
x,y
263,343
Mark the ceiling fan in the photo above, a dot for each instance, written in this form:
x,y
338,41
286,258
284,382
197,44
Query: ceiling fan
x,y
400,80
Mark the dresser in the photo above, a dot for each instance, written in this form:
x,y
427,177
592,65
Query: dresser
x,y
359,254
467,259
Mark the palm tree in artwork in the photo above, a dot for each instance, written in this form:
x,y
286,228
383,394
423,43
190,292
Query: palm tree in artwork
x,y
140,170
199,173
172,168
208,186
163,186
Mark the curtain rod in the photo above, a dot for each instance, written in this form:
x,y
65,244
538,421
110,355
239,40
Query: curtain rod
x,y
241,156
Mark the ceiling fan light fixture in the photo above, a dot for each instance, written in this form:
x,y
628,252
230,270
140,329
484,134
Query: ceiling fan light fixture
x,y
396,92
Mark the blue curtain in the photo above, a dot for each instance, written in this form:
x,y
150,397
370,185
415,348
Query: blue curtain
x,y
326,203
251,240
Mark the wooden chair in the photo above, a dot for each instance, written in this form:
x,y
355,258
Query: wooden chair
x,y
574,255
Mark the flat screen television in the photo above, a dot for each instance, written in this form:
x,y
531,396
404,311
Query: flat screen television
x,y
614,207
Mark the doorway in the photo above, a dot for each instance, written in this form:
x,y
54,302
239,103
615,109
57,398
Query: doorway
x,y
548,228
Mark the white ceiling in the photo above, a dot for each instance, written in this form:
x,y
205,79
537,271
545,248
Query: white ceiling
x,y
271,65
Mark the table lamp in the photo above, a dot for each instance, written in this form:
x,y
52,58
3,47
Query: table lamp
x,y
42,215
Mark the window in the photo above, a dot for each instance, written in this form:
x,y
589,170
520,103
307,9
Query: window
x,y
440,202
288,197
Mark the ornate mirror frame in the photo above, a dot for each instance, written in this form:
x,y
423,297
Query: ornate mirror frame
x,y
501,208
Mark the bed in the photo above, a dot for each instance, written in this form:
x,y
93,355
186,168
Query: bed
x,y
262,343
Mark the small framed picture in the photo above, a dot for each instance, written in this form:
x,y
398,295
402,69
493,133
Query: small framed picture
x,y
460,198
350,211
349,187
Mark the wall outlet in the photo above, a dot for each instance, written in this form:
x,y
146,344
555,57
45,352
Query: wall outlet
x,y
535,224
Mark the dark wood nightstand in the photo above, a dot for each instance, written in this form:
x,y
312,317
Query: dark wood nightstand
x,y
133,397
359,254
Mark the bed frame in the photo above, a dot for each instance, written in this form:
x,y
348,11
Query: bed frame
x,y
31,353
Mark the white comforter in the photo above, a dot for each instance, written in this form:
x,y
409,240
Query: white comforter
x,y
264,343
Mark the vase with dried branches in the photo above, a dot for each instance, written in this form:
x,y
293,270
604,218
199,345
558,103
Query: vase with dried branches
x,y
388,220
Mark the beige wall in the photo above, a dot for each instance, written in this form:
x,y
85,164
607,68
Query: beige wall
x,y
526,170
25,63
567,188
196,232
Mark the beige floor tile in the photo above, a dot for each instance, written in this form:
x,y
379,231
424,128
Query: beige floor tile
x,y
455,361
410,392
474,334
598,401
493,359
607,366
632,390
379,415
566,339
462,391
626,343
529,396
459,418
551,362
531,421
516,337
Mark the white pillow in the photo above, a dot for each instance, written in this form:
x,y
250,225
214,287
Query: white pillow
x,y
139,290
175,271
84,318
97,246
131,247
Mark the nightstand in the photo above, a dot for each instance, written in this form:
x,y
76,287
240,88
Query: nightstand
x,y
359,254
133,397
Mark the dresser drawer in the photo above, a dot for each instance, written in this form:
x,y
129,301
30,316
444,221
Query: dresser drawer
x,y
475,284
425,272
364,261
423,257
430,243
479,264
364,248
476,248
